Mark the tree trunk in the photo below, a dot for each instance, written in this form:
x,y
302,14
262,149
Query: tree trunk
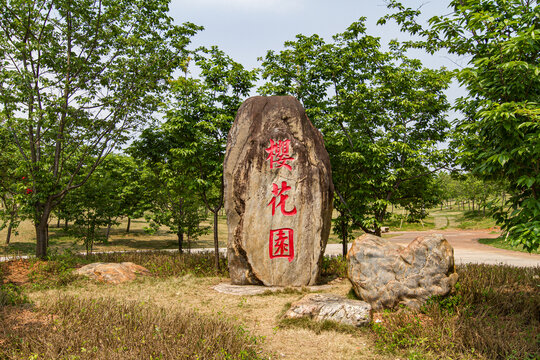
x,y
58,223
216,241
66,224
344,237
8,236
128,225
473,205
180,235
108,233
42,234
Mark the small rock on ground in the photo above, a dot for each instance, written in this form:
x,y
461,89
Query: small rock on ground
x,y
321,307
112,273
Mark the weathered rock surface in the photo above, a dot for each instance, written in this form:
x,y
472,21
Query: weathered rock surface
x,y
113,273
321,307
278,194
386,274
242,290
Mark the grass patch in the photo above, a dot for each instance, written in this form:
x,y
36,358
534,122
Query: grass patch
x,y
164,263
494,313
71,328
333,267
318,326
474,220
58,270
286,291
11,295
395,224
502,244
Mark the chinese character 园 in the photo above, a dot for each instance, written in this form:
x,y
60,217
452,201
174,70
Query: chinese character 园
x,y
281,243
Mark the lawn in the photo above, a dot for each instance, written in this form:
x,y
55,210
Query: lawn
x,y
502,244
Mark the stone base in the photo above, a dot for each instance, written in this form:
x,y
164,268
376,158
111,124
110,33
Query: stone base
x,y
226,288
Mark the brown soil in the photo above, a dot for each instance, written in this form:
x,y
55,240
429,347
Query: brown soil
x,y
19,317
16,271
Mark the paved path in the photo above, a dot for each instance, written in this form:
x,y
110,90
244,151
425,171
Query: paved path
x,y
467,249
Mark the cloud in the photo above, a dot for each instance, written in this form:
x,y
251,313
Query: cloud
x,y
276,6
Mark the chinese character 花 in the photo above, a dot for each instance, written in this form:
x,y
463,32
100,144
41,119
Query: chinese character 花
x,y
277,191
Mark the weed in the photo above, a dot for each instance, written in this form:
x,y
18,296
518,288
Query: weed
x,y
318,326
333,266
11,295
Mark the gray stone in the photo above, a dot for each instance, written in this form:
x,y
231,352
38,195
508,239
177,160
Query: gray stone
x,y
278,194
321,307
113,273
387,275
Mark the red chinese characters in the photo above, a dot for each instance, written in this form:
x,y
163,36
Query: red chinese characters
x,y
278,154
282,243
280,192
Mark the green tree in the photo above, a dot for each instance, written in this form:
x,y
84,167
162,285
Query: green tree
x,y
75,78
207,105
499,134
11,187
381,114
134,199
170,184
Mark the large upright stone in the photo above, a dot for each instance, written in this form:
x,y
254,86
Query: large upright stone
x,y
278,194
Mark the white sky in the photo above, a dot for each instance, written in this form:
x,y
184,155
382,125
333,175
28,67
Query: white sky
x,y
246,29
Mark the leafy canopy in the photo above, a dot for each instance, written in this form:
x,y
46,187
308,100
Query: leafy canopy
x,y
499,135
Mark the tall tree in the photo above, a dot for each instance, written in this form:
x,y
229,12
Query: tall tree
x,y
381,113
76,77
12,186
170,185
207,106
499,133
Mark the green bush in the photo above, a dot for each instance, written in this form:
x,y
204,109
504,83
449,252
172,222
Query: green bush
x,y
11,295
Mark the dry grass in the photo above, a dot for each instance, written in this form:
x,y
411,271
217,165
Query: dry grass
x,y
75,328
258,314
493,314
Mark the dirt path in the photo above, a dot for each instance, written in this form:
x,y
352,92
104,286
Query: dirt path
x,y
467,249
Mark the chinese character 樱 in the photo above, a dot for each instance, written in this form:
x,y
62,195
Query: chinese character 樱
x,y
278,154
281,243
280,192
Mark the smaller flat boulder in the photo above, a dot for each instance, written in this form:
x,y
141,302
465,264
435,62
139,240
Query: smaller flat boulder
x,y
321,307
112,273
